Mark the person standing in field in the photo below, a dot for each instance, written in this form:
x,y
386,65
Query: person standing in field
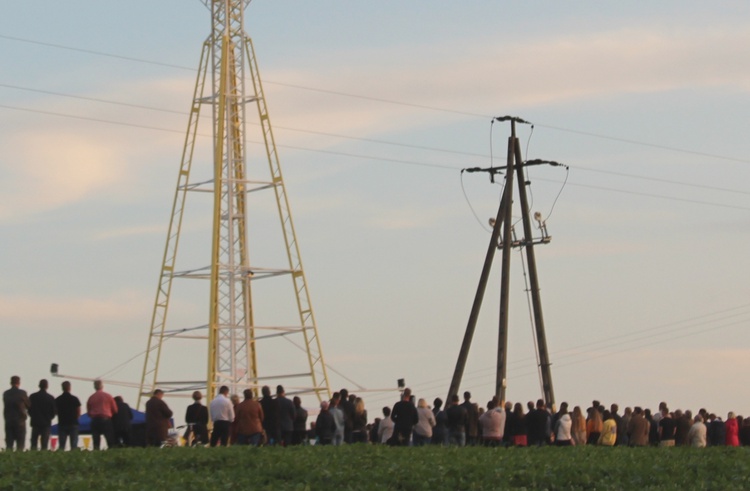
x,y
100,407
338,417
404,416
16,405
300,422
347,408
717,432
68,409
325,426
272,415
558,415
233,425
622,430
359,423
638,429
667,427
653,428
594,426
385,428
457,420
196,417
122,423
472,420
683,421
578,428
625,425
423,428
744,432
608,436
518,429
697,434
564,431
287,414
222,415
157,419
249,418
41,413
440,431
732,430
537,423
493,425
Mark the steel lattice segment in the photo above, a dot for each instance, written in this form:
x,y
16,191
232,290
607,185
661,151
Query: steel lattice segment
x,y
231,332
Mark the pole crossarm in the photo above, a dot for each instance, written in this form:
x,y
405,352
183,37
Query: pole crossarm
x,y
501,169
512,119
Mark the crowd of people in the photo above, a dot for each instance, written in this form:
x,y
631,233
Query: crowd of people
x,y
462,423
110,416
507,424
278,420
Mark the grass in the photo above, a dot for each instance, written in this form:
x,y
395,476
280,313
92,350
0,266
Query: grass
x,y
380,467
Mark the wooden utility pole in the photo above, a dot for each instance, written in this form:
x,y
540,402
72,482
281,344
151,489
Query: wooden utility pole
x,y
514,170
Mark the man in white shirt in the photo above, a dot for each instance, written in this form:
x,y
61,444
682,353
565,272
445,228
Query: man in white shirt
x,y
222,415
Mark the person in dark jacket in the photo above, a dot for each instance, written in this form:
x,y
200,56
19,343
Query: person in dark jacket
x,y
41,413
653,431
271,423
300,422
518,430
15,410
622,430
745,432
716,432
157,419
325,426
122,422
472,420
457,421
684,422
347,407
440,431
537,422
196,417
287,414
404,416
68,409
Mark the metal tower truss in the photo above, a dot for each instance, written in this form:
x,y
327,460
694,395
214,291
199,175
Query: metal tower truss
x,y
231,333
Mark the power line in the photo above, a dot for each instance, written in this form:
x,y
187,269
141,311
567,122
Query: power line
x,y
662,180
89,118
98,53
366,157
291,147
277,127
390,101
585,357
369,140
649,195
605,343
645,144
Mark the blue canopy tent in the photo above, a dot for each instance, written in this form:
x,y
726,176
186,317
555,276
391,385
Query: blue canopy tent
x,y
84,422
138,428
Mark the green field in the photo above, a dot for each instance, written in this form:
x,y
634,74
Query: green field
x,y
380,467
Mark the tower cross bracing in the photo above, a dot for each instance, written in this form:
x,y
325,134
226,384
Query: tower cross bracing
x,y
231,335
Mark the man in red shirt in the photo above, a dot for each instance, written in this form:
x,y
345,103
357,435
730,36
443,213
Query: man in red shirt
x,y
101,407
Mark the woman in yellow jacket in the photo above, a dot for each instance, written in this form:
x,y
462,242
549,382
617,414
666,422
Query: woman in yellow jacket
x,y
609,430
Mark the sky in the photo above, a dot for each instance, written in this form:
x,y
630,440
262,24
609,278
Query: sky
x,y
376,108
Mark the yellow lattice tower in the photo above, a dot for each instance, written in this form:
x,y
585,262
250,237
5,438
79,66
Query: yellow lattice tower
x,y
234,340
